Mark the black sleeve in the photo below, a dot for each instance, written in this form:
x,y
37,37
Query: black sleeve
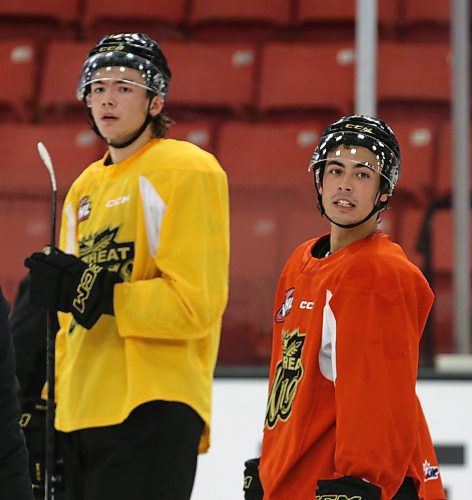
x,y
15,483
28,330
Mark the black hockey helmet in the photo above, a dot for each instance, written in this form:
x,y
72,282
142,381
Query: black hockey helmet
x,y
371,133
129,50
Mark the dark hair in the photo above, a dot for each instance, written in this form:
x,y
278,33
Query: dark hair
x,y
160,124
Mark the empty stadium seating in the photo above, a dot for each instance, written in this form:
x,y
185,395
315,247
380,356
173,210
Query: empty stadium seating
x,y
56,9
419,154
243,19
157,18
307,76
333,20
427,20
388,223
246,336
443,241
277,11
343,10
270,184
41,20
408,224
25,227
442,233
434,11
60,73
71,147
441,316
255,261
444,169
18,81
217,76
269,156
414,77
200,133
272,212
255,235
264,232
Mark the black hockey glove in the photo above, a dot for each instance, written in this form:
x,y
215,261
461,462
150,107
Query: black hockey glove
x,y
347,487
252,484
63,282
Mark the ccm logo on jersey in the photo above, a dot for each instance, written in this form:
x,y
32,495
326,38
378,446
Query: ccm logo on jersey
x,y
117,201
306,304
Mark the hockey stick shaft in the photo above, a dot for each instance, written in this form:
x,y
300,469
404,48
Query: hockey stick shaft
x,y
50,489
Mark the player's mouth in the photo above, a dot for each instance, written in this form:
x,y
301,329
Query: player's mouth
x,y
344,203
108,117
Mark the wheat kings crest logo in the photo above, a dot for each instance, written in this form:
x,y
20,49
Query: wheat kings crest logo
x,y
288,374
102,248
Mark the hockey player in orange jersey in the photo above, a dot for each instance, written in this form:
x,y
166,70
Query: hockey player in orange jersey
x,y
343,420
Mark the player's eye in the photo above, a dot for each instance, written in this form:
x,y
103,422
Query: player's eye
x,y
334,170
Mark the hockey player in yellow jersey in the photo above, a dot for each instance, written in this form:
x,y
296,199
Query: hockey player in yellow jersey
x,y
141,279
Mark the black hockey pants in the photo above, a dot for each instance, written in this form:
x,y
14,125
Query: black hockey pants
x,y
152,455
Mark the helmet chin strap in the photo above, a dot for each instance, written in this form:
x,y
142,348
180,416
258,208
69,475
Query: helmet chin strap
x,y
129,141
377,208
379,205
141,129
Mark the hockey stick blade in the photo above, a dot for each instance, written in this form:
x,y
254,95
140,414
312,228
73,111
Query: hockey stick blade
x,y
46,157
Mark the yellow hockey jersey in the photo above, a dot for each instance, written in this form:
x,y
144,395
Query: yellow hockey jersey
x,y
160,219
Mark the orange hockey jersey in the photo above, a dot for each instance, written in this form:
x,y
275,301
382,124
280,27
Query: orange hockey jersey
x,y
343,372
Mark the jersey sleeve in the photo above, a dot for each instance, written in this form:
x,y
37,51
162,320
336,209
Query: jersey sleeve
x,y
190,250
378,317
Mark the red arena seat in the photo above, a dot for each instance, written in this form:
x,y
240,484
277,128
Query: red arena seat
x,y
60,73
41,20
307,76
414,79
27,222
253,158
213,76
72,148
18,81
444,175
200,133
238,19
335,19
158,18
417,139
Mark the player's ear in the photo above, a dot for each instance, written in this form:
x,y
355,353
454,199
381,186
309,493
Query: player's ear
x,y
384,197
156,106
